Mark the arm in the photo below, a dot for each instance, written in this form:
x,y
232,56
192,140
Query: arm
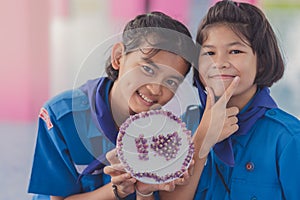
x,y
210,131
103,193
187,191
288,168
123,181
53,170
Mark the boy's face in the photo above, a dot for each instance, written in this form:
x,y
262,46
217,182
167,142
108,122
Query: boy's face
x,y
223,56
149,82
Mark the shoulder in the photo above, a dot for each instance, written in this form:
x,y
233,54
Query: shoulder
x,y
192,117
193,111
66,102
283,120
287,129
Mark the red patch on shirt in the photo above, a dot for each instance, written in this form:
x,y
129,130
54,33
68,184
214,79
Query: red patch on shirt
x,y
44,115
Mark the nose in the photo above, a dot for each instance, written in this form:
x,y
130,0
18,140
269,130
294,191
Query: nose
x,y
221,62
155,89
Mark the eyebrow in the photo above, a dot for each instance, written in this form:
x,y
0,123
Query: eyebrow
x,y
150,62
237,43
229,45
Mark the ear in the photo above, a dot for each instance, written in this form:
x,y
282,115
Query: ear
x,y
116,55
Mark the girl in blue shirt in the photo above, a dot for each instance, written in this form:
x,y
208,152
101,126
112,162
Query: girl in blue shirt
x,y
261,160
144,71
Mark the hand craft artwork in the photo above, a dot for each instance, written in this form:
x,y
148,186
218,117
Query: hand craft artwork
x,y
155,146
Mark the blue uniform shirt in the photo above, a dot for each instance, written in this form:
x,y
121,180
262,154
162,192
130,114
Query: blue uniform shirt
x,y
67,141
267,161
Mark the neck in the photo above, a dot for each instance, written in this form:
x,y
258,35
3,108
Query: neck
x,y
118,105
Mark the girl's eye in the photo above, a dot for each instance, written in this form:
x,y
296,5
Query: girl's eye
x,y
148,70
235,52
172,84
208,53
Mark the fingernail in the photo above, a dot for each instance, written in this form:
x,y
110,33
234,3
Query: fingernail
x,y
127,175
236,78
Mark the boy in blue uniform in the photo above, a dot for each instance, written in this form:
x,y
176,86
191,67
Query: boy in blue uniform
x,y
261,160
76,126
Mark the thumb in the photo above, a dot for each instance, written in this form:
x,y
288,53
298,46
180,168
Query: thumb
x,y
111,157
210,100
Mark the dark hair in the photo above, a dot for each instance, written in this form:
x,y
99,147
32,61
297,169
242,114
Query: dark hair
x,y
159,31
251,25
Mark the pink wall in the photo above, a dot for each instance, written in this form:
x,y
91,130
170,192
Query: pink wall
x,y
24,82
128,9
178,9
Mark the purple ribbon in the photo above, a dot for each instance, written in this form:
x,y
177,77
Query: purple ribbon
x,y
97,92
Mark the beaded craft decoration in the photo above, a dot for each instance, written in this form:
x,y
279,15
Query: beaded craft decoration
x,y
155,146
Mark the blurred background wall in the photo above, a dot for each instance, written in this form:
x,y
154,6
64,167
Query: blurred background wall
x,y
24,51
45,42
44,46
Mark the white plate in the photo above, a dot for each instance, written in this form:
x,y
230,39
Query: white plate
x,y
146,131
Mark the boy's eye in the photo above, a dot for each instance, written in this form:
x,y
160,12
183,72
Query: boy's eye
x,y
235,52
148,70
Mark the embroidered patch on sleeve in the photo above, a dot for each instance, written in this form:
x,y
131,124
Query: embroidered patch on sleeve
x,y
44,115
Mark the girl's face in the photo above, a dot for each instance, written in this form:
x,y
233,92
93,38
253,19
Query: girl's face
x,y
223,56
147,82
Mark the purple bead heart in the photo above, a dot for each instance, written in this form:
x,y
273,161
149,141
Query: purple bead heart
x,y
166,146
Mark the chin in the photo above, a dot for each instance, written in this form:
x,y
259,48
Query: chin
x,y
136,110
218,91
131,112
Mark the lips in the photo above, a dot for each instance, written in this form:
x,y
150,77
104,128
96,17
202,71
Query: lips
x,y
145,98
222,76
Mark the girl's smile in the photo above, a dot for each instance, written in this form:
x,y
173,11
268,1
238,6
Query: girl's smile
x,y
146,99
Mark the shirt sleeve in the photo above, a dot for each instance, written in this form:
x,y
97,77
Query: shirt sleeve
x,y
53,172
289,165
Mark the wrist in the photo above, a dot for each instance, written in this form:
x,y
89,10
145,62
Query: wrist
x,y
143,193
202,153
118,195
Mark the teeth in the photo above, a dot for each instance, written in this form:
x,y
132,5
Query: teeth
x,y
145,98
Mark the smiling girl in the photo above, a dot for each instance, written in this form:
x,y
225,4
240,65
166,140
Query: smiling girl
x,y
261,160
144,70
